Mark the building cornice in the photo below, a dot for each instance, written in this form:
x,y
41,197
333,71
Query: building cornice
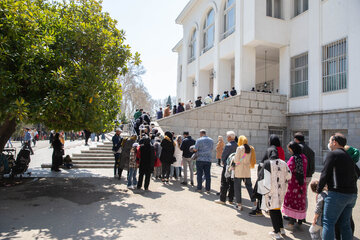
x,y
331,111
178,46
185,11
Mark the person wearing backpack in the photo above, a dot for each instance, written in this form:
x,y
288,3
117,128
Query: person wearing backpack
x,y
227,184
244,160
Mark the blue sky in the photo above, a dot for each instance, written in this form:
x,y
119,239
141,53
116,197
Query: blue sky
x,y
151,30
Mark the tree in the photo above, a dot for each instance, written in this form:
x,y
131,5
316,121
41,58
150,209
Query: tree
x,y
169,101
58,65
135,95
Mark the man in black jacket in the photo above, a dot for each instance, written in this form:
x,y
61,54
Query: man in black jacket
x,y
198,102
227,184
185,147
340,175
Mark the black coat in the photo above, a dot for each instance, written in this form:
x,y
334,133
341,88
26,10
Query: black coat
x,y
310,155
167,151
180,109
185,146
147,159
198,103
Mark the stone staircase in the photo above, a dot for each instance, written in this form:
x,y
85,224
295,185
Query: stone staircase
x,y
100,156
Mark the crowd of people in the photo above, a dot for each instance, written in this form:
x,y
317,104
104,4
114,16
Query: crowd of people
x,y
280,188
181,107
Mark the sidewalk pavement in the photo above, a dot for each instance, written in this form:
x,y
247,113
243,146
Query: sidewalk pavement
x,y
43,155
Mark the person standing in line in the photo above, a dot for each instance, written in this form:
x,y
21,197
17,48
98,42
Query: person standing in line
x,y
316,225
180,108
146,156
138,113
157,165
174,110
159,114
295,198
217,98
126,146
117,141
310,156
203,146
27,140
167,111
273,183
233,92
176,166
227,184
340,175
219,149
35,136
188,105
198,102
186,157
131,178
272,153
244,160
208,99
57,153
167,155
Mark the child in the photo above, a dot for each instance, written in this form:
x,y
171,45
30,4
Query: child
x,y
132,182
316,226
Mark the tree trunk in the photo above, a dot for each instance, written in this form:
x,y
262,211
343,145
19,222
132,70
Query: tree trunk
x,y
6,130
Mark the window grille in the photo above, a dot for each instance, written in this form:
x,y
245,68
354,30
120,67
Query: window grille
x,y
299,75
334,66
300,6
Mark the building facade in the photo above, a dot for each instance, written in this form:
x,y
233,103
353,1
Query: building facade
x,y
307,50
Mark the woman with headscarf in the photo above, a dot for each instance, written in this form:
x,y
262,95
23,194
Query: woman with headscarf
x,y
275,141
146,157
167,155
219,149
244,160
57,156
176,166
295,199
270,154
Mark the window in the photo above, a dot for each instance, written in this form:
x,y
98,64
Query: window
x,y
300,6
334,66
279,132
299,75
229,18
209,28
273,8
192,47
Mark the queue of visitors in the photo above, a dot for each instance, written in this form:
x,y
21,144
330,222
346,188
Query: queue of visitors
x,y
181,107
280,187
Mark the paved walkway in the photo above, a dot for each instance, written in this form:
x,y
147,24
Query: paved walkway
x,y
102,208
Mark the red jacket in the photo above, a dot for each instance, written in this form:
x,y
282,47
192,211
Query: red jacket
x,y
281,153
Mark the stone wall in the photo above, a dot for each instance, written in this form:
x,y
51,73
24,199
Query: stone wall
x,y
317,123
250,114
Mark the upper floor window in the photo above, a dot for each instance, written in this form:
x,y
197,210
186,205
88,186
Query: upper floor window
x,y
299,75
229,18
334,66
273,8
192,47
300,6
208,30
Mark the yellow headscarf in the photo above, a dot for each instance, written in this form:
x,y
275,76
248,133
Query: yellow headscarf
x,y
243,140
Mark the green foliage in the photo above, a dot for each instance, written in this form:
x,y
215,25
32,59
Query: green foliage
x,y
59,63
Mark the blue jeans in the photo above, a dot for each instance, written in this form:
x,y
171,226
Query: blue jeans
x,y
131,178
203,167
177,171
338,206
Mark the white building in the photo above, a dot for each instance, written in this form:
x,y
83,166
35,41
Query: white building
x,y
308,50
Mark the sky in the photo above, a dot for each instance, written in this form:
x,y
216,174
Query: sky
x,y
151,30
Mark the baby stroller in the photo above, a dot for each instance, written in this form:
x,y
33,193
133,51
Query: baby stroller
x,y
22,162
7,161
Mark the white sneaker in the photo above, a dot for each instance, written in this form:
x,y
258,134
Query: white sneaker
x,y
275,236
282,231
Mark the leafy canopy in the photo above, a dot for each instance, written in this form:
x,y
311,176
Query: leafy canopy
x,y
59,62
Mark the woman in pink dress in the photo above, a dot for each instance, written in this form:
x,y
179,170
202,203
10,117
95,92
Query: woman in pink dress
x,y
295,199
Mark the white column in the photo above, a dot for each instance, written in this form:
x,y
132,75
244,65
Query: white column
x,y
314,56
224,76
203,84
248,68
217,71
284,70
238,42
197,63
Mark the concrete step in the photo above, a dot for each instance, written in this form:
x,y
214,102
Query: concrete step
x,y
93,154
93,162
96,152
82,166
101,148
92,158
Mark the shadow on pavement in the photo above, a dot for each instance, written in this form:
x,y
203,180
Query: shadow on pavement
x,y
70,209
